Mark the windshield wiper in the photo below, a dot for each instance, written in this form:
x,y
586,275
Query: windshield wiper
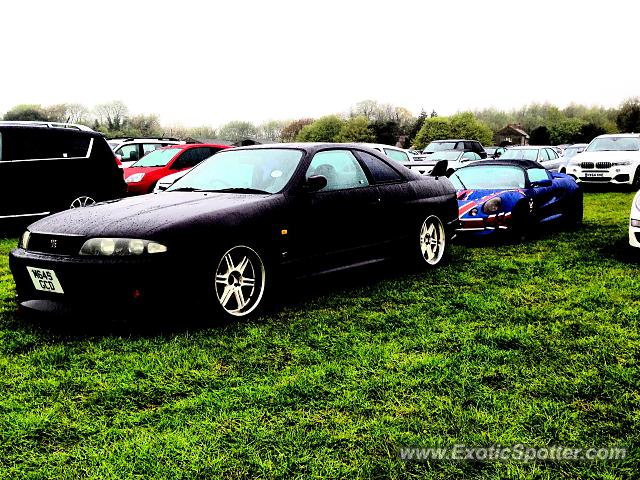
x,y
460,180
186,189
240,190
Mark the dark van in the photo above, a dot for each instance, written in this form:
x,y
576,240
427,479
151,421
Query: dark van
x,y
48,167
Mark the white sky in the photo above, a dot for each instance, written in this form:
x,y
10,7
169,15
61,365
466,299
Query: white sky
x,y
206,62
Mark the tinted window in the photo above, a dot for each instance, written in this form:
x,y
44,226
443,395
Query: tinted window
x,y
40,143
537,174
191,158
340,168
396,155
380,171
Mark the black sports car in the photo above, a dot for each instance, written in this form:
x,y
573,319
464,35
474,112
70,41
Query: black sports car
x,y
232,225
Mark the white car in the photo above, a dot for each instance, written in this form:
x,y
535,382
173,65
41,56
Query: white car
x,y
609,159
166,182
400,155
545,155
130,150
634,224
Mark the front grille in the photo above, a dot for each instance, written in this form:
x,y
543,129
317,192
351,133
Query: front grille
x,y
55,244
586,165
604,165
595,179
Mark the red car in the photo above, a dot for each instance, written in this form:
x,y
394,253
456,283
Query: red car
x,y
143,175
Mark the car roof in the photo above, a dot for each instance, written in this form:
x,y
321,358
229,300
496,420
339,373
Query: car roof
x,y
185,146
619,135
578,145
453,140
526,164
529,147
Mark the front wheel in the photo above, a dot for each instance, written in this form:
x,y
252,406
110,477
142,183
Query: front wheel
x,y
82,201
432,241
240,280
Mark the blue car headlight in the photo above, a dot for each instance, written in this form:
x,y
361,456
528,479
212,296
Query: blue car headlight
x,y
492,206
120,247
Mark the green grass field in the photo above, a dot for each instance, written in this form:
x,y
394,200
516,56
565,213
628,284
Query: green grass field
x,y
535,343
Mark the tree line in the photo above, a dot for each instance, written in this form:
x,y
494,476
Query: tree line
x,y
366,121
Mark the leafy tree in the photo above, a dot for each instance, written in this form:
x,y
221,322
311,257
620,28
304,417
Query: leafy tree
x,y
325,129
386,132
271,130
540,136
112,115
356,129
628,119
27,112
416,126
460,125
291,130
237,130
588,132
433,128
566,130
144,126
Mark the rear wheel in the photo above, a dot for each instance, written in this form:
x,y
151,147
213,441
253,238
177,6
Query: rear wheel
x,y
239,283
432,241
522,220
575,212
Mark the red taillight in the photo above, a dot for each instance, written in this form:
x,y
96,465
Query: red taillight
x,y
119,161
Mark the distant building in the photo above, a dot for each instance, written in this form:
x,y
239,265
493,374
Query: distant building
x,y
512,134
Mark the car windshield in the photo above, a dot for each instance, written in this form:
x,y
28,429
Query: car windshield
x,y
488,177
520,154
264,170
607,144
446,155
157,158
439,146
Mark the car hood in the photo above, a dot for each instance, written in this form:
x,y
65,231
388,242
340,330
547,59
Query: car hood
x,y
150,215
612,156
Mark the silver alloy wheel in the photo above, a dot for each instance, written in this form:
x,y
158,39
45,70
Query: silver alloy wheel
x,y
432,240
240,281
82,201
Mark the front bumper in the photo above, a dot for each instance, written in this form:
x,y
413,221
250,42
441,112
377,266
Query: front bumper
x,y
619,174
101,282
486,225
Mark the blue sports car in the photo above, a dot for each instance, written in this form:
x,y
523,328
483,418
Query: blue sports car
x,y
514,196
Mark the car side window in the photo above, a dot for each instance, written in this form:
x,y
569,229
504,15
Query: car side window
x,y
192,157
537,174
340,168
396,155
543,155
552,154
150,147
128,153
380,171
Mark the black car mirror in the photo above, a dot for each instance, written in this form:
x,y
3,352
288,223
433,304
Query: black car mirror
x,y
315,183
440,170
450,171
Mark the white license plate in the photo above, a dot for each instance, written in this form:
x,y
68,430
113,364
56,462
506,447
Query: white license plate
x,y
45,280
593,174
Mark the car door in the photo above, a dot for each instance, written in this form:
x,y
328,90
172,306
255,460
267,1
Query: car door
x,y
546,195
393,216
335,225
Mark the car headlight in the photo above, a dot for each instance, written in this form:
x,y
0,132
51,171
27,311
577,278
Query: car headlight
x,y
24,240
492,206
135,178
620,164
636,202
120,247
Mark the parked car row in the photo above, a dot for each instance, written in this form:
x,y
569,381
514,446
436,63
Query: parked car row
x,y
232,222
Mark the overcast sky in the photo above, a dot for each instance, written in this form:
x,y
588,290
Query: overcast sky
x,y
206,63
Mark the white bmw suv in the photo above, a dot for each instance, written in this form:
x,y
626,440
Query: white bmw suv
x,y
608,159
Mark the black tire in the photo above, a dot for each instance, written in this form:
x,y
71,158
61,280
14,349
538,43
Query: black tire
x,y
239,283
635,185
431,245
522,221
575,213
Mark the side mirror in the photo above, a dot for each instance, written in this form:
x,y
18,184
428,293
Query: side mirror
x,y
450,171
440,170
315,183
